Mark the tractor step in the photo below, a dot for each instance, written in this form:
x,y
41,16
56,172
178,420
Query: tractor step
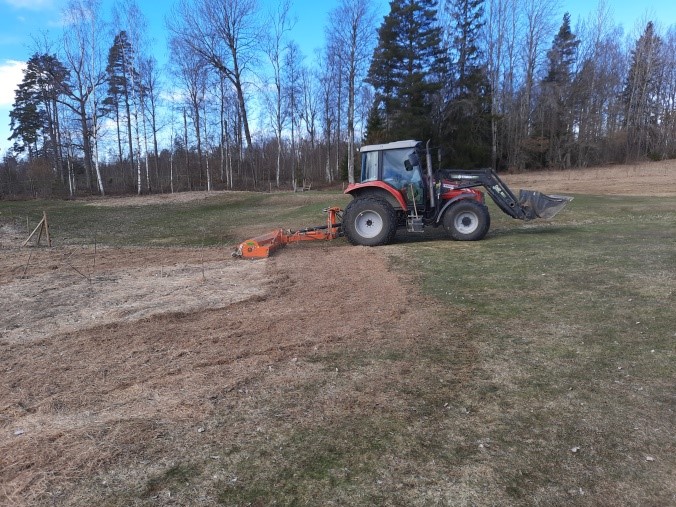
x,y
415,224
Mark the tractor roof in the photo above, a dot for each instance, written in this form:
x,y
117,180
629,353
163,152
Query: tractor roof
x,y
390,146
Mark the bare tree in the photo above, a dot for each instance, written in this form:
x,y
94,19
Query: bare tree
x,y
275,47
641,93
538,22
496,38
226,35
597,86
293,96
328,77
310,106
150,84
82,51
668,99
192,72
309,113
227,103
353,36
130,19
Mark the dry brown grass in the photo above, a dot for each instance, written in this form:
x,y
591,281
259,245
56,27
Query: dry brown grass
x,y
647,178
122,401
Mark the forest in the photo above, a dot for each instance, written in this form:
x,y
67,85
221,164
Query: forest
x,y
511,84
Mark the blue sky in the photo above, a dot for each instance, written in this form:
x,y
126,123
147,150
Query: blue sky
x,y
22,22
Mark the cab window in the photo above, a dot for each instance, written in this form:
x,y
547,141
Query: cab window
x,y
369,166
394,170
409,182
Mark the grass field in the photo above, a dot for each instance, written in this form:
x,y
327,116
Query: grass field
x,y
574,325
539,368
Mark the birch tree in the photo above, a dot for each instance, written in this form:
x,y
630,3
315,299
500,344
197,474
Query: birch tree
x,y
537,19
130,19
83,59
275,47
226,35
354,37
293,95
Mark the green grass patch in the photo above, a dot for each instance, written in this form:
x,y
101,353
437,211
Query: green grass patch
x,y
313,463
177,477
576,326
215,220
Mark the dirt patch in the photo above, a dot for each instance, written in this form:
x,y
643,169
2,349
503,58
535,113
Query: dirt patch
x,y
96,376
67,290
11,236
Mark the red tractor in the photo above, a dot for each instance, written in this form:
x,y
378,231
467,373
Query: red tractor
x,y
399,189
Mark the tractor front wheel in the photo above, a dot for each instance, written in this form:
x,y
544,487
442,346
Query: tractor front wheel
x,y
369,222
467,220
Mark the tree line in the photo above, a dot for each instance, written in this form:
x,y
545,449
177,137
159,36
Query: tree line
x,y
501,83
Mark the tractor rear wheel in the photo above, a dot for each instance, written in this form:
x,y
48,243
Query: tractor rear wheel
x,y
467,220
369,221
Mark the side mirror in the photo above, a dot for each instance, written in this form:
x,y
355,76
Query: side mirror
x,y
411,161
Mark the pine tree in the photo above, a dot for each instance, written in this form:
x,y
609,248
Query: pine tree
x,y
375,128
34,119
641,90
467,129
562,55
555,115
406,71
123,80
26,120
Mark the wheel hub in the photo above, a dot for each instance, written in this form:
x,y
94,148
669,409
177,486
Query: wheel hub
x,y
466,222
368,224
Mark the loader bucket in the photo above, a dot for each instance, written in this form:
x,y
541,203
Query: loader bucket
x,y
538,205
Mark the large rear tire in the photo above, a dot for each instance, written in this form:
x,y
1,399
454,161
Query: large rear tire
x,y
369,221
467,220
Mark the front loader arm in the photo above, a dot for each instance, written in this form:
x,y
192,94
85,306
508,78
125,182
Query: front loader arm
x,y
529,205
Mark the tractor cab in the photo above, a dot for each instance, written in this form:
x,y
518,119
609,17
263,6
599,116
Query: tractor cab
x,y
400,166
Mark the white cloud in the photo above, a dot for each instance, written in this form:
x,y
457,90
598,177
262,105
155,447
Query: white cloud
x,y
11,74
34,5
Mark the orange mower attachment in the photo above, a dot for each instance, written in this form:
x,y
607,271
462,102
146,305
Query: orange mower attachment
x,y
265,244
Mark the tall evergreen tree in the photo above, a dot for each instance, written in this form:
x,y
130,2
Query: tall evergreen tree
x,y
562,55
555,106
34,119
467,126
640,96
123,78
27,119
406,71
